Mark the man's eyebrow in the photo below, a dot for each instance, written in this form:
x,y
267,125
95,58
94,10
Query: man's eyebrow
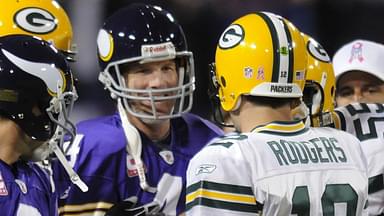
x,y
375,84
344,87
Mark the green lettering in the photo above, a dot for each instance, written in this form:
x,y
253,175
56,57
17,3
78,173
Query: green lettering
x,y
278,151
318,149
302,155
313,157
291,157
329,149
343,158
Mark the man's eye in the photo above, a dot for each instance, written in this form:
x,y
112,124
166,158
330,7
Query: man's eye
x,y
345,92
373,89
141,71
169,68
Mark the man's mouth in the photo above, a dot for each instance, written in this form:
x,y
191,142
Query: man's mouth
x,y
160,107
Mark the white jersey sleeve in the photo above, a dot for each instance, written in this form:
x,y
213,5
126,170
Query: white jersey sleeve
x,y
366,122
279,169
219,181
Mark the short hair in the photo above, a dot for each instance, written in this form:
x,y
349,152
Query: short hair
x,y
271,101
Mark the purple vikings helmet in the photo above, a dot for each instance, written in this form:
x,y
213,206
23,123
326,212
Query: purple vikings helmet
x,y
139,34
33,74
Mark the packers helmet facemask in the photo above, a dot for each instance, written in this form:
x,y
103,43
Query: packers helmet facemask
x,y
319,90
259,54
42,18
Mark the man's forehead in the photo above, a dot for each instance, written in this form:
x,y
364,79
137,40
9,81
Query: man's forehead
x,y
359,77
149,64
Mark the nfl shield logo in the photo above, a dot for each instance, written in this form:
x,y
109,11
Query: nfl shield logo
x,y
167,157
248,72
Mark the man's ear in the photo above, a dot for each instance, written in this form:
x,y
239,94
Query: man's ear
x,y
295,103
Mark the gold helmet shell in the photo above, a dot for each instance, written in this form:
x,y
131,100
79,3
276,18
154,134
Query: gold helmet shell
x,y
320,84
45,19
259,54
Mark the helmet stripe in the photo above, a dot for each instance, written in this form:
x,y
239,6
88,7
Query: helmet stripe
x,y
275,41
290,53
281,70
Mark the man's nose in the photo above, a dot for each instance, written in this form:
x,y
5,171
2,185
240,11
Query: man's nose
x,y
357,94
157,80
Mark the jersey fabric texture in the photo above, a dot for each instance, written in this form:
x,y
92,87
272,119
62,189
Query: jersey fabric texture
x,y
26,189
110,173
281,168
366,122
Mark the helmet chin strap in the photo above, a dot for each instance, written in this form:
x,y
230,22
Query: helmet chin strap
x,y
134,146
75,179
57,107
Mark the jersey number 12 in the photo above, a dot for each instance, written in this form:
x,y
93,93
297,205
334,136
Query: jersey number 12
x,y
333,193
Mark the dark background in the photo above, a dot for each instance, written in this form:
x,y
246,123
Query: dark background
x,y
331,22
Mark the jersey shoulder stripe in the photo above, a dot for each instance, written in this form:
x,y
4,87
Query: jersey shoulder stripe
x,y
223,196
85,208
376,183
282,128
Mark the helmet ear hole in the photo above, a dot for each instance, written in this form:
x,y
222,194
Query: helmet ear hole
x,y
333,91
223,82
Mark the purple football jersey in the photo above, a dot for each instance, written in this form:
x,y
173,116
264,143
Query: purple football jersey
x,y
25,189
101,160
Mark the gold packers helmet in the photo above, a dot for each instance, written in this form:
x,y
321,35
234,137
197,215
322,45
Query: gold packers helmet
x,y
42,18
319,91
259,54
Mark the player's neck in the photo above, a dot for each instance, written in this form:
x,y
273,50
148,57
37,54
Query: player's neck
x,y
154,131
252,116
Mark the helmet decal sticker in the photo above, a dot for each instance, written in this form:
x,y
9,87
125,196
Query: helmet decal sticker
x,y
248,72
35,20
260,73
317,51
300,75
51,75
281,41
159,50
105,45
231,37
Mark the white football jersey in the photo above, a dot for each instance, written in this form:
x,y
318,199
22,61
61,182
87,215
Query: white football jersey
x,y
366,122
279,169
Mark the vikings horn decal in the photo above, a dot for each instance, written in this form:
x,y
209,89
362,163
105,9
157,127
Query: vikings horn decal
x,y
51,75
